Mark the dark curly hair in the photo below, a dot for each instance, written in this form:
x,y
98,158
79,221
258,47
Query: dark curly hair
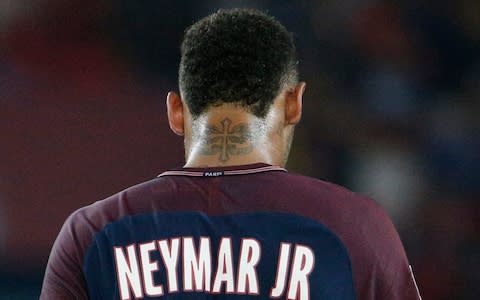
x,y
240,56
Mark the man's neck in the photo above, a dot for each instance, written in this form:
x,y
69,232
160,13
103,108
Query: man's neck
x,y
228,139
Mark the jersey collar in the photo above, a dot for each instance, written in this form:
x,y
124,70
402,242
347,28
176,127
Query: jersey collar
x,y
222,171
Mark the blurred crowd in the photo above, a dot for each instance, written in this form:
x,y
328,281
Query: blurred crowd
x,y
390,111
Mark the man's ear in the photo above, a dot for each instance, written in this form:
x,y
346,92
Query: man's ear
x,y
293,104
175,113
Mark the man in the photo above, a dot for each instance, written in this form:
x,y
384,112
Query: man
x,y
232,222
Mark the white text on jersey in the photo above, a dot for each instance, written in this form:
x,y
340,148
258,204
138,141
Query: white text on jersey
x,y
136,269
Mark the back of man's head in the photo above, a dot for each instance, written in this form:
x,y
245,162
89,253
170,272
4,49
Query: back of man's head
x,y
239,56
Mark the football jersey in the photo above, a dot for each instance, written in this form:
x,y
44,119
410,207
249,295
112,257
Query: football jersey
x,y
243,232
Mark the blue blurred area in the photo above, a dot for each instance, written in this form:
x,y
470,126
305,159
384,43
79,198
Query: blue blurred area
x,y
20,286
391,111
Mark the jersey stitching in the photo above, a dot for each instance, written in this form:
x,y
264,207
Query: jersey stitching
x,y
231,172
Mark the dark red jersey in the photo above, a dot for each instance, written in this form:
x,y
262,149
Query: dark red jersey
x,y
253,231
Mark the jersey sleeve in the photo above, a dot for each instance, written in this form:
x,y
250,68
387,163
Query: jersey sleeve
x,y
63,276
392,274
396,273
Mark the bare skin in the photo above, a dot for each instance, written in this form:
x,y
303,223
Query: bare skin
x,y
227,140
227,135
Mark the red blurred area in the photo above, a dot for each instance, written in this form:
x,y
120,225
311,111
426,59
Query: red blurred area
x,y
76,126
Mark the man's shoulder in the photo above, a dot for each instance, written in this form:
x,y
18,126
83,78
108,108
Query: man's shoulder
x,y
350,215
95,216
321,190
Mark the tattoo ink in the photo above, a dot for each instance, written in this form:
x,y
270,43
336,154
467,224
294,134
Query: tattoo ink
x,y
227,140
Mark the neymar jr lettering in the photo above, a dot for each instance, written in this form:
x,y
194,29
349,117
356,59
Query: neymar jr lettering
x,y
135,268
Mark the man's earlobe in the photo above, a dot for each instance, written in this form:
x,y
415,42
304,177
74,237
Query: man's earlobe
x,y
175,113
293,104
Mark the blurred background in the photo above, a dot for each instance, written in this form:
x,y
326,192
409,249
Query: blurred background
x,y
391,111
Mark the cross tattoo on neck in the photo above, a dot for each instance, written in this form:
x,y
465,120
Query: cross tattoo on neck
x,y
227,140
